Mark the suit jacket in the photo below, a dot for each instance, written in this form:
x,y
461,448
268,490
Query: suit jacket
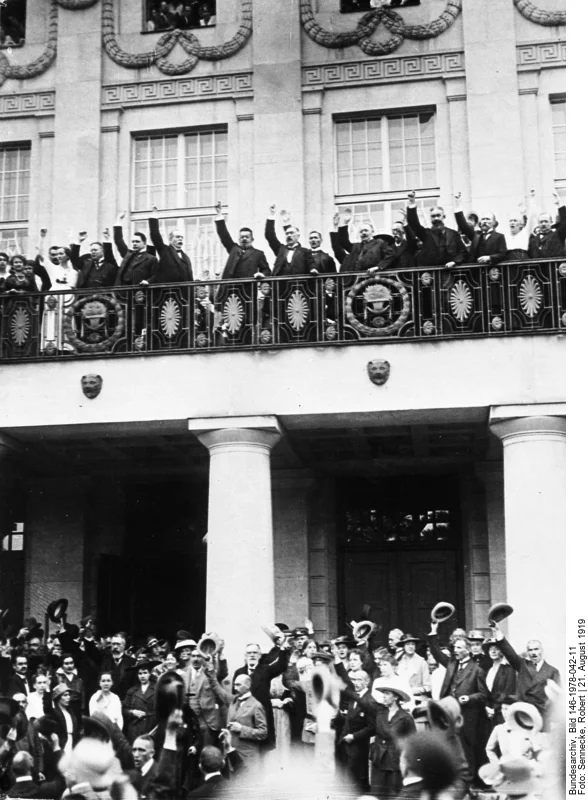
x,y
363,256
87,659
59,718
251,715
323,262
530,683
505,683
413,790
135,267
301,263
242,262
360,721
122,677
209,789
174,265
101,279
552,244
41,791
337,247
271,665
493,246
17,685
385,750
405,254
436,250
205,695
136,700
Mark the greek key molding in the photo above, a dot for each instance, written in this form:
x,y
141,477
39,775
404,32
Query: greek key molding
x,y
541,54
168,41
26,105
383,70
369,23
535,14
172,91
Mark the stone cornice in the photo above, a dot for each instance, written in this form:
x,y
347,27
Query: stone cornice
x,y
176,90
384,70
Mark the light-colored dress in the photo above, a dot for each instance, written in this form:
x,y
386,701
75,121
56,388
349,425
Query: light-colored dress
x,y
281,715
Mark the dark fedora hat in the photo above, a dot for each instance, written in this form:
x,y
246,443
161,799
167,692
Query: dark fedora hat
x,y
488,643
442,612
300,632
46,726
94,728
57,609
408,637
498,612
346,640
475,636
323,656
8,709
143,663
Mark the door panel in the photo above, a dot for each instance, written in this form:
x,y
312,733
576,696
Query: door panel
x,y
401,587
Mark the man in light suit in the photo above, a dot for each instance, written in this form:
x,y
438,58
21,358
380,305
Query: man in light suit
x,y
246,721
291,258
464,680
204,694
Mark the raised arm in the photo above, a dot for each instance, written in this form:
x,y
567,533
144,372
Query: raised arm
x,y
412,217
40,270
107,248
508,650
343,230
270,231
436,651
222,230
463,226
155,235
119,241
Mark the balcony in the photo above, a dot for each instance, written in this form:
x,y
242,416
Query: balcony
x,y
425,304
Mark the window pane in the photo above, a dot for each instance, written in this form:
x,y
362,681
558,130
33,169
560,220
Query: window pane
x,y
14,183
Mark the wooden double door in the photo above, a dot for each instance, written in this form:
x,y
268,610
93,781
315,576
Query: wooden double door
x,y
401,586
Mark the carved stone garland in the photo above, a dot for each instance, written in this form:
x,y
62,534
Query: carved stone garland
x,y
368,24
167,42
530,11
21,72
74,5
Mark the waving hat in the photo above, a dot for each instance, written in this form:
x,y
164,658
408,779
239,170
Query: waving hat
x,y
498,612
57,609
442,612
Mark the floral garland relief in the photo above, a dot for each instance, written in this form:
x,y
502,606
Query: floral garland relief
x,y
530,11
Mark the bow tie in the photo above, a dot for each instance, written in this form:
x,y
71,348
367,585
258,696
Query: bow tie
x,y
292,246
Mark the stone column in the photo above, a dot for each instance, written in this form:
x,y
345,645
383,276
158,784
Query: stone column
x,y
534,506
240,560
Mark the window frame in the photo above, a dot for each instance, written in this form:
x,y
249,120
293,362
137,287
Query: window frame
x,y
392,199
560,182
16,224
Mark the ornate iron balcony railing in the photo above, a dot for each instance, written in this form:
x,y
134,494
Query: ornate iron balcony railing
x,y
514,298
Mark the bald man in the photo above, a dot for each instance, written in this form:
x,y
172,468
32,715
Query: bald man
x,y
25,786
246,722
487,245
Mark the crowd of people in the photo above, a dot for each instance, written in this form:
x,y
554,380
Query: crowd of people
x,y
410,244
80,713
163,15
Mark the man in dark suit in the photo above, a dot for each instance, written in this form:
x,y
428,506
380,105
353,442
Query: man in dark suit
x,y
291,258
118,664
442,246
322,262
174,265
405,247
370,254
464,680
211,764
487,245
357,731
26,787
533,671
550,239
94,271
262,669
18,682
138,264
244,261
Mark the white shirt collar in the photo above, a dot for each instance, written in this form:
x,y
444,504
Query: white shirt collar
x,y
210,775
22,778
147,766
244,696
410,780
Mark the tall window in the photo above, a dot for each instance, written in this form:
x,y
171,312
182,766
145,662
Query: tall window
x,y
15,173
170,14
183,175
380,159
13,20
558,111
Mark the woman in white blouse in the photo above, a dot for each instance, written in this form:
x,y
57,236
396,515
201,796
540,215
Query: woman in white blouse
x,y
106,701
518,233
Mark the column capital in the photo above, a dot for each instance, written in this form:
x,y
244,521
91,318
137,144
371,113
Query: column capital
x,y
519,429
200,425
239,439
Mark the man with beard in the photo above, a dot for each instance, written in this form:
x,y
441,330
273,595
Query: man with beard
x,y
442,246
262,669
118,663
405,247
487,245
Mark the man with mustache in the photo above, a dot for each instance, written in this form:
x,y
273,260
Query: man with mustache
x,y
291,258
370,254
442,246
487,245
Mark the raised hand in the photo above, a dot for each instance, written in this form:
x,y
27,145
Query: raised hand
x,y
285,215
556,197
43,233
411,198
347,216
82,236
106,235
272,211
121,216
218,206
336,219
